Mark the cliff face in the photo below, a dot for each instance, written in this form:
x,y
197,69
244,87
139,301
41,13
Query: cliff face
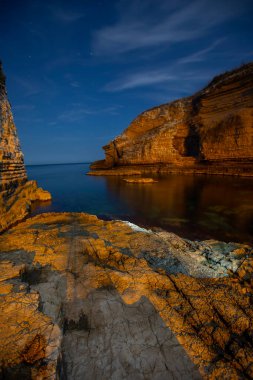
x,y
16,193
211,129
12,169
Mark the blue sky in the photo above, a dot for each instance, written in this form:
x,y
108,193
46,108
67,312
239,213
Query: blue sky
x,y
79,71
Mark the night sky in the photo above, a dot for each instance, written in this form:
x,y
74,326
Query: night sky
x,y
79,71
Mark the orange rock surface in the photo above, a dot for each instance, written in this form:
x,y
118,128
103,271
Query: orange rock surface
x,y
12,168
85,298
15,204
16,193
209,132
140,180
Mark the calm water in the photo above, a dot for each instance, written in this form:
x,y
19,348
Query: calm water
x,y
192,206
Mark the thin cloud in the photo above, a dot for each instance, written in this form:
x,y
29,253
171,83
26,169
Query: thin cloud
x,y
138,80
78,113
74,115
175,76
75,84
201,54
176,71
29,120
28,86
153,23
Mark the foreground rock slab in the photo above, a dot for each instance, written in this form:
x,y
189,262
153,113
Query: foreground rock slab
x,y
84,298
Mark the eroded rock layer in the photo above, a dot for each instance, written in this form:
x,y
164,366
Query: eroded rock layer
x,y
209,132
12,168
82,298
16,204
16,193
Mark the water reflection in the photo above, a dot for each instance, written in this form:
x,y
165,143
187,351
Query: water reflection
x,y
193,206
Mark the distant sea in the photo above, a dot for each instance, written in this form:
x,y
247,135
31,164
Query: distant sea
x,y
195,207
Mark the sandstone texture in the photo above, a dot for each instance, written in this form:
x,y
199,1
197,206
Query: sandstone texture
x,y
83,298
15,204
12,168
16,193
117,171
210,132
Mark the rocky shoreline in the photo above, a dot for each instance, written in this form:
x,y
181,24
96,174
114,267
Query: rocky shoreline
x,y
86,296
81,297
241,170
16,203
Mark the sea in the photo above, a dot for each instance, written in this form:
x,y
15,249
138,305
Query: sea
x,y
195,207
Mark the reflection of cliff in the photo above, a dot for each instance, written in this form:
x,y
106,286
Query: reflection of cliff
x,y
208,131
167,197
12,169
195,206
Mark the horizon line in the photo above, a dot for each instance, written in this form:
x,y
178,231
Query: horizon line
x,y
61,163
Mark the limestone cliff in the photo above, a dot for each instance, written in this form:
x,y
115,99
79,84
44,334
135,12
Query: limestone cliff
x,y
209,132
12,168
16,193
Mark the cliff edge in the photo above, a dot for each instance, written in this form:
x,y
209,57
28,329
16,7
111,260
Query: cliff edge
x,y
209,132
12,168
16,192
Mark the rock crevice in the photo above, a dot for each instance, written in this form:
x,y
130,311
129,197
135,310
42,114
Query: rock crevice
x,y
95,299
